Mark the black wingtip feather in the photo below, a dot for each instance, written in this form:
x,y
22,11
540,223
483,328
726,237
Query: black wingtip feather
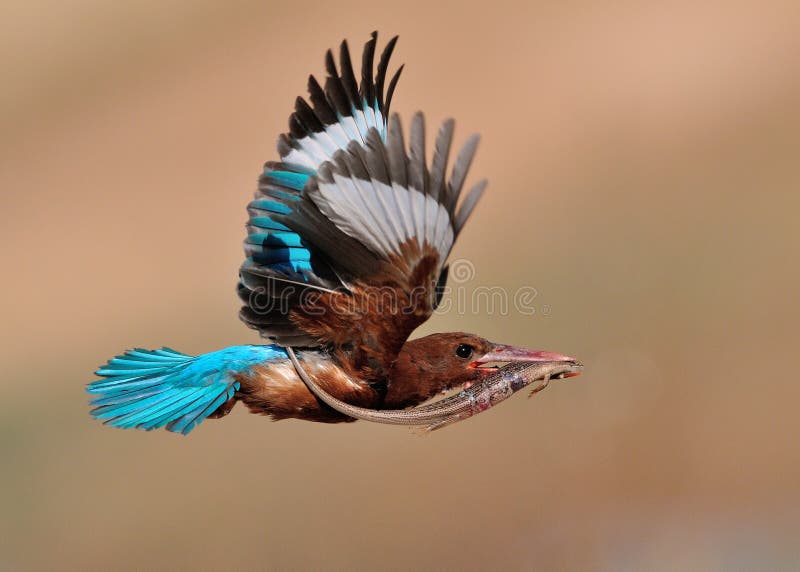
x,y
296,128
330,64
367,89
342,95
322,106
383,66
392,85
284,145
348,75
306,116
337,95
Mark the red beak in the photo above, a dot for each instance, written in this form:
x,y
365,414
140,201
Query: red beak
x,y
505,354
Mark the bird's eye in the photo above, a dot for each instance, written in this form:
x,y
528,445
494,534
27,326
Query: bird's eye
x,y
464,351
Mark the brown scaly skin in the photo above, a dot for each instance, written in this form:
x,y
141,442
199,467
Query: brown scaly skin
x,y
424,367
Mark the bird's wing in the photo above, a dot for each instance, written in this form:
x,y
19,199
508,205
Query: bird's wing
x,y
350,232
342,111
281,265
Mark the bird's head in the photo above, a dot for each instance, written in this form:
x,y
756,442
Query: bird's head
x,y
436,363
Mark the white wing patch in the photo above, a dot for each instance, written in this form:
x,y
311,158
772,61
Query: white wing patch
x,y
360,209
314,149
371,192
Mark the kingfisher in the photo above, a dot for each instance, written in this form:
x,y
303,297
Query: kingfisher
x,y
345,256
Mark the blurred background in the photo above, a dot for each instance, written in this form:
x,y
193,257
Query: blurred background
x,y
644,180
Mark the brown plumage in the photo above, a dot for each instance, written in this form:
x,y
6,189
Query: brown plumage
x,y
367,326
276,390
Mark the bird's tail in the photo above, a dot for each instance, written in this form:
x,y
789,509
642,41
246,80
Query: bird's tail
x,y
149,389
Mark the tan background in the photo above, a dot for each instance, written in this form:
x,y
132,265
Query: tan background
x,y
644,176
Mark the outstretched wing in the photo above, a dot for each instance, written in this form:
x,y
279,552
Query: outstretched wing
x,y
281,265
343,111
350,232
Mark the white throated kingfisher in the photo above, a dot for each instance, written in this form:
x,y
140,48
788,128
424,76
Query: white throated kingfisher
x,y
348,239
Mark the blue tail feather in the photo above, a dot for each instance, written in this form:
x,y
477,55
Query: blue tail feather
x,y
149,389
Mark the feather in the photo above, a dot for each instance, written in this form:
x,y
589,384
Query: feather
x,y
441,151
392,86
383,66
318,99
440,286
292,154
376,160
307,117
367,88
417,172
460,169
417,175
178,410
167,382
397,153
398,170
334,88
189,421
468,205
348,76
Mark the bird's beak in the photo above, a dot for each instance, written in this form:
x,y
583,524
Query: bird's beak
x,y
502,354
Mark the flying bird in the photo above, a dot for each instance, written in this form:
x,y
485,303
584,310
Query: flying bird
x,y
346,255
